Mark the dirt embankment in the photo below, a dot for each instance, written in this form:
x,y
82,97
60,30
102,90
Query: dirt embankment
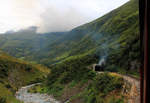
x,y
132,93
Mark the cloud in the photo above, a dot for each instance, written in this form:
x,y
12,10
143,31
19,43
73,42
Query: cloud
x,y
64,15
19,14
52,15
32,29
54,19
29,30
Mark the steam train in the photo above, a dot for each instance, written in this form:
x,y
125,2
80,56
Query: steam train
x,y
99,67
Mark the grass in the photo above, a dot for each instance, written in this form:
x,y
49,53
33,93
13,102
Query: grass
x,y
41,88
7,96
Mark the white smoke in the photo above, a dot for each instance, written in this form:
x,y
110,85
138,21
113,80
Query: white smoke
x,y
102,61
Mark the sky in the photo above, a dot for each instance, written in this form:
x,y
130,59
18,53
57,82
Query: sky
x,y
52,15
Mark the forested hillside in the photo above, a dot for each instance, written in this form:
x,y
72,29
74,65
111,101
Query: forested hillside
x,y
73,80
23,44
115,36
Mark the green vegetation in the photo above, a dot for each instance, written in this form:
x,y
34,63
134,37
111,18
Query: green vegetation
x,y
2,100
41,88
120,29
15,73
70,55
26,45
99,89
74,77
72,69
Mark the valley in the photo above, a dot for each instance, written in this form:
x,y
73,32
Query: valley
x,y
62,62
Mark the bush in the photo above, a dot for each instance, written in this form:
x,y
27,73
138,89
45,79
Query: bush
x,y
102,85
73,68
2,100
105,83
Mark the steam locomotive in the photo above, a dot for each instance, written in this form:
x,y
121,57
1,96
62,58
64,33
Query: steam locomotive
x,y
99,67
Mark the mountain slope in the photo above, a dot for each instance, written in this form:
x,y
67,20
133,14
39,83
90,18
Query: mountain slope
x,y
114,36
23,44
15,73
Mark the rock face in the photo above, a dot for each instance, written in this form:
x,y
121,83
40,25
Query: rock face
x,y
134,93
131,88
26,97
